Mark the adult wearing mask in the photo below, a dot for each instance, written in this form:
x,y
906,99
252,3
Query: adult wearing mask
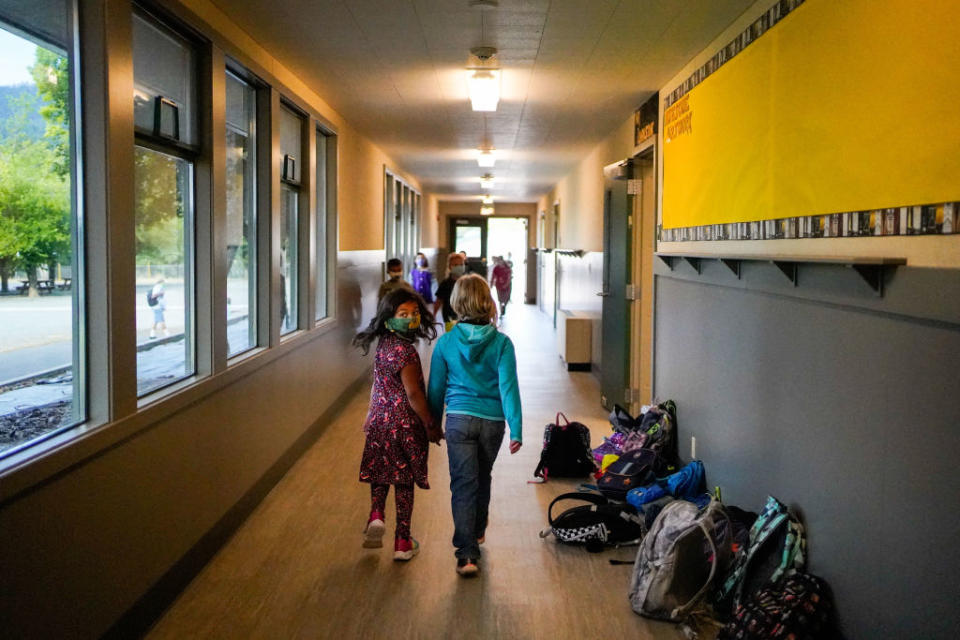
x,y
422,278
456,266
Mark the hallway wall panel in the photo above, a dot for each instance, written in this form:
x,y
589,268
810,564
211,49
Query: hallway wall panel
x,y
841,404
79,550
579,281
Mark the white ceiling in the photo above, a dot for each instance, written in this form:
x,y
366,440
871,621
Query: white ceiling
x,y
573,70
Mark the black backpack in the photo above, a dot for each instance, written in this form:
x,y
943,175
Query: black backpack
x,y
659,423
151,299
799,606
598,524
566,451
629,471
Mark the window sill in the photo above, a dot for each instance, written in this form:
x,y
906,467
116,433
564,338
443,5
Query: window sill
x,y
41,462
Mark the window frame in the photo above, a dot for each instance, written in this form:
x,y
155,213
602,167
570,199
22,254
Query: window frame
x,y
79,322
103,47
198,257
261,209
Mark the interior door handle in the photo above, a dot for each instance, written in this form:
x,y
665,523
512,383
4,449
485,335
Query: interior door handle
x,y
603,294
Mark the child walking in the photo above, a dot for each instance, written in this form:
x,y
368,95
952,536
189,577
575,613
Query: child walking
x,y
398,423
474,372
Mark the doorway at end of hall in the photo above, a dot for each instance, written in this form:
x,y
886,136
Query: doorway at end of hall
x,y
482,238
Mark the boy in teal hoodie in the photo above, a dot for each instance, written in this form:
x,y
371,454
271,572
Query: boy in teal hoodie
x,y
474,372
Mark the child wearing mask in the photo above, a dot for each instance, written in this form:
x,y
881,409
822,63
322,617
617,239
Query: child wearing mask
x,y
398,423
422,278
394,278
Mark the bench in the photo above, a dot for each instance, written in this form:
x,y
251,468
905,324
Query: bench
x,y
66,284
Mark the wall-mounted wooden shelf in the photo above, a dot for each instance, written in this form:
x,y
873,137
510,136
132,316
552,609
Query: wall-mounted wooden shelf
x,y
870,269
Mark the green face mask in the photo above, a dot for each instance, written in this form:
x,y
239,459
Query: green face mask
x,y
402,325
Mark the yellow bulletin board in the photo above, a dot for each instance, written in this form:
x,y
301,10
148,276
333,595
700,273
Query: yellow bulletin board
x,y
844,105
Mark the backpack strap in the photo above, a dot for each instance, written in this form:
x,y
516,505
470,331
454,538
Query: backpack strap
x,y
592,498
560,415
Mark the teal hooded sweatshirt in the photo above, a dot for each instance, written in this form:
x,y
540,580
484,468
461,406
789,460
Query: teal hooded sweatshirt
x,y
474,372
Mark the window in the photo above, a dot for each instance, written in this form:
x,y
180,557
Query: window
x,y
241,227
290,146
42,373
401,220
164,73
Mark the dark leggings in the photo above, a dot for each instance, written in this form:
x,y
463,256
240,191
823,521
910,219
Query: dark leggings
x,y
403,494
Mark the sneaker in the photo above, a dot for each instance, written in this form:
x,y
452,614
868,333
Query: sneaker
x,y
373,533
405,548
467,567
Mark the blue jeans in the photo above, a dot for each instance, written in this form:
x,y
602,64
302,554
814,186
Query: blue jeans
x,y
472,446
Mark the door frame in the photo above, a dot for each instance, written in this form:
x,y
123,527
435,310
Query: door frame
x,y
644,246
470,221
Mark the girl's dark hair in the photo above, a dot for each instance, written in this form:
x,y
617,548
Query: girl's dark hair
x,y
387,308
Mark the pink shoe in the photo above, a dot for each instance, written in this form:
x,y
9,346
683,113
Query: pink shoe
x,y
373,533
405,548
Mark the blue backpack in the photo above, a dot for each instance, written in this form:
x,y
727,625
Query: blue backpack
x,y
687,484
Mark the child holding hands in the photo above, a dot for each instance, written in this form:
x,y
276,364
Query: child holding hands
x,y
398,424
473,372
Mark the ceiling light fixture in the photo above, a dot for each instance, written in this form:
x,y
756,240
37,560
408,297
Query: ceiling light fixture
x,y
483,79
486,210
488,199
486,158
486,181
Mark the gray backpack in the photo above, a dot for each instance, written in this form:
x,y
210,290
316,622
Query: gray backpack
x,y
684,552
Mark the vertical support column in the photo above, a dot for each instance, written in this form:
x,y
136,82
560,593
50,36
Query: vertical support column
x,y
270,245
264,215
333,222
106,64
308,224
210,253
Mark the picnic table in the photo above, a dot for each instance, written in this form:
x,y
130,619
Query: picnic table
x,y
43,286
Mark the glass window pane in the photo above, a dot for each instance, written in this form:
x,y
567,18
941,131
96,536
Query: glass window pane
x,y
468,239
164,83
41,344
321,310
290,145
163,210
241,216
288,259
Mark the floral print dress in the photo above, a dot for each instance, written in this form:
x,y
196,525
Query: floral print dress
x,y
396,448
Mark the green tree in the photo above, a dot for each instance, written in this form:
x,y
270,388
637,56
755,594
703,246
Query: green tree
x,y
34,208
35,174
51,74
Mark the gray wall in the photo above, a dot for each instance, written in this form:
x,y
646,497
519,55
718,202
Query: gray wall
x,y
80,549
842,404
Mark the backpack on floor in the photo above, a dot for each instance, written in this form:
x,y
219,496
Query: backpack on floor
x,y
689,483
629,471
798,607
598,524
776,548
660,427
566,451
682,556
622,421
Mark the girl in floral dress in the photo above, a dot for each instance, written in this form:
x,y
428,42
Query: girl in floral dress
x,y
398,424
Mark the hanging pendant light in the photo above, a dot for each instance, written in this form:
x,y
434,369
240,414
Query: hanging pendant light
x,y
486,158
483,79
486,181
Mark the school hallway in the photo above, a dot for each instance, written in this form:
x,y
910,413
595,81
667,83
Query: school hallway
x,y
295,568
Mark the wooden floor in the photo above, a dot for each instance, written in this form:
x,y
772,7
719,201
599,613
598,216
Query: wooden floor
x,y
295,569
